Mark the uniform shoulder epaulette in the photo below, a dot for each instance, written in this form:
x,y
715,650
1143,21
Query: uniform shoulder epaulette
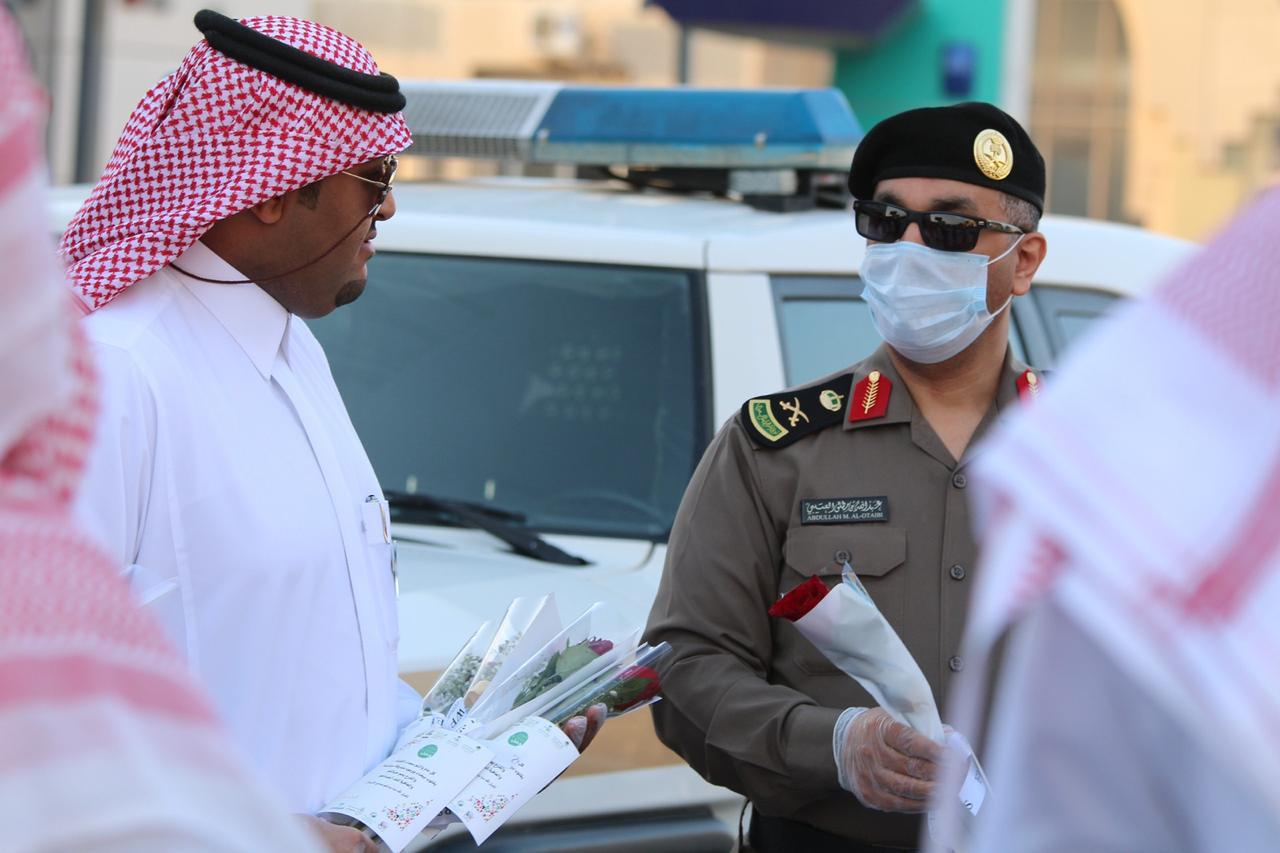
x,y
779,419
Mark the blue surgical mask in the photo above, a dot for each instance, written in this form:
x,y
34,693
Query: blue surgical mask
x,y
927,304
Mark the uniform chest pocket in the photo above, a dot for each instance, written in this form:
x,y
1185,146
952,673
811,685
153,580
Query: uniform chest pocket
x,y
875,552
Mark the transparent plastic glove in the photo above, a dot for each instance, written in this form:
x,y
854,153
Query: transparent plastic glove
x,y
837,743
886,765
582,730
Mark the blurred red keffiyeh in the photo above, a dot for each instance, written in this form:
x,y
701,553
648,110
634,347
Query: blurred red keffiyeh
x,y
104,742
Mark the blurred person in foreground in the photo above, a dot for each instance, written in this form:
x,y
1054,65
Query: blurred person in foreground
x,y
865,468
243,197
105,744
1131,577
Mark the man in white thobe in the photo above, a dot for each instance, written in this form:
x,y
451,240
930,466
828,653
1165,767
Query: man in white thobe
x,y
243,196
229,478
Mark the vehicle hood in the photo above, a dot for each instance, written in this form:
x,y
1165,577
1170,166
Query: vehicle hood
x,y
452,580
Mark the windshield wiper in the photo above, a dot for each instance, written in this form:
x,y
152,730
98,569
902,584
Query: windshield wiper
x,y
496,522
445,506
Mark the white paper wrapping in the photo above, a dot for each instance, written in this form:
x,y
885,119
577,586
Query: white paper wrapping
x,y
847,627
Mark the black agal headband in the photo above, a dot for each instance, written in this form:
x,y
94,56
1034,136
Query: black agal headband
x,y
379,93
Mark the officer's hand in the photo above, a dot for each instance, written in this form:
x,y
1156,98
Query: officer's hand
x,y
890,767
582,730
338,839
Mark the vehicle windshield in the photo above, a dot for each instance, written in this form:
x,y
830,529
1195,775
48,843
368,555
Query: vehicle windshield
x,y
569,393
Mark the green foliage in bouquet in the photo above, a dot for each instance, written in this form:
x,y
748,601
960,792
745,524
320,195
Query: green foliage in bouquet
x,y
632,687
560,666
454,683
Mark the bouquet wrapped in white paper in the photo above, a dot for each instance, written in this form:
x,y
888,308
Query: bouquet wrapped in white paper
x,y
528,624
847,627
484,744
594,641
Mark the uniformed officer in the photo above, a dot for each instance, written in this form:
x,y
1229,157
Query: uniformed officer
x,y
866,467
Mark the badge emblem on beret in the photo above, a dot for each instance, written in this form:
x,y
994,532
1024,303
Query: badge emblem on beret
x,y
993,155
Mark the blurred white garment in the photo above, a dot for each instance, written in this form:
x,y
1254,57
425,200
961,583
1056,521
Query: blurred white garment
x,y
105,744
1088,762
1139,497
35,346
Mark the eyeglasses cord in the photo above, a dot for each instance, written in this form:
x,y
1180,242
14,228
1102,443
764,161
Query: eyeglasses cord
x,y
293,271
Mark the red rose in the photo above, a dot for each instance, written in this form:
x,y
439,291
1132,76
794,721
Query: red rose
x,y
800,600
599,646
638,684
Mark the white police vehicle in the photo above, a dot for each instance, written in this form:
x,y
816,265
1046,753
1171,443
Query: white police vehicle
x,y
538,363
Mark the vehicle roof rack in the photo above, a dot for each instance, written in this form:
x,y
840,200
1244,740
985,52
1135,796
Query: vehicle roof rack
x,y
777,149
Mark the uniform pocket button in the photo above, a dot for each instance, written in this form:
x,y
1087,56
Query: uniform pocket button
x,y
842,556
956,663
957,572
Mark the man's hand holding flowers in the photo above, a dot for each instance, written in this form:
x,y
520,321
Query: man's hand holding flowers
x,y
888,766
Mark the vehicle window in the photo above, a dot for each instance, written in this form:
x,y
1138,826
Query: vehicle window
x,y
826,326
572,393
1067,312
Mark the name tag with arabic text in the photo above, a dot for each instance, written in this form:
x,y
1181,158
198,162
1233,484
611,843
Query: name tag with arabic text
x,y
844,510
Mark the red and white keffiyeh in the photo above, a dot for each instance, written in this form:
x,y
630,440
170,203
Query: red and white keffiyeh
x,y
34,379
46,382
210,140
1141,492
104,742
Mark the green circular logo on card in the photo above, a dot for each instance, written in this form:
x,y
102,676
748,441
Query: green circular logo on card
x,y
428,751
518,739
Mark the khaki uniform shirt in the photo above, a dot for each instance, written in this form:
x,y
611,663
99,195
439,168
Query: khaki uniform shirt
x,y
751,704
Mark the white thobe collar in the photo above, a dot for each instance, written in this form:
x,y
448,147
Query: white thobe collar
x,y
256,321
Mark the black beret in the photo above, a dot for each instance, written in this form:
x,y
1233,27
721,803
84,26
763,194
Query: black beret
x,y
973,142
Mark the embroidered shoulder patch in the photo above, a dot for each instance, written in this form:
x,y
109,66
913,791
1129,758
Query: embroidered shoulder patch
x,y
780,419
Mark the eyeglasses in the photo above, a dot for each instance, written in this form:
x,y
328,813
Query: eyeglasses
x,y
948,232
389,164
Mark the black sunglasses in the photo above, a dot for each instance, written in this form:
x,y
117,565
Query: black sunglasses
x,y
949,232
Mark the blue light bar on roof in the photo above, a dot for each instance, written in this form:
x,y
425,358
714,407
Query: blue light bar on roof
x,y
811,129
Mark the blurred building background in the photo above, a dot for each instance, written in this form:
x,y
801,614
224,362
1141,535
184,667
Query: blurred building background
x,y
1165,113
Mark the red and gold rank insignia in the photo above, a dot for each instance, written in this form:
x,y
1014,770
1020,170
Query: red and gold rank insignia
x,y
1028,385
870,397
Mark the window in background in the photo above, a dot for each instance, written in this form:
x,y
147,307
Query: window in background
x,y
1069,312
1079,106
824,325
